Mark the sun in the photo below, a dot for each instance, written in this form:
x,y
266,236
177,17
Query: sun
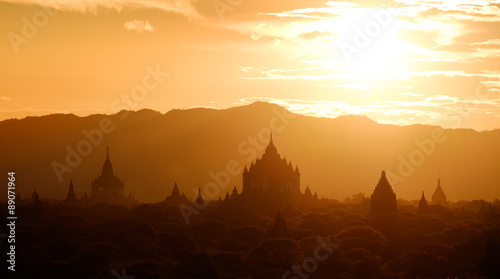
x,y
367,41
383,56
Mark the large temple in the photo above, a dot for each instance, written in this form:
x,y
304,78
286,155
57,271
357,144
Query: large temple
x,y
271,175
107,187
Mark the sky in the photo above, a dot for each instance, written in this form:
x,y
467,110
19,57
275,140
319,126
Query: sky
x,y
401,62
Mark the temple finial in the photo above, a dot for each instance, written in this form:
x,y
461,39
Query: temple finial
x,y
271,149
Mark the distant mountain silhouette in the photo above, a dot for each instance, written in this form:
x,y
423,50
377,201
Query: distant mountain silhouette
x,y
338,157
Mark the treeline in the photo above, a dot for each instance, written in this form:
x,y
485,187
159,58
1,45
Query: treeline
x,y
334,240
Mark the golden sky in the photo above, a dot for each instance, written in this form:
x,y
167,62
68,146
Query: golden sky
x,y
401,62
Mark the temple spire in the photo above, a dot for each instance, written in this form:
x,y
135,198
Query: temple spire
x,y
175,191
199,199
422,206
439,197
34,196
107,168
307,192
383,199
279,228
71,197
271,149
234,193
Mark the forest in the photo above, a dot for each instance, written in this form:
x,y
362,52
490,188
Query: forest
x,y
320,238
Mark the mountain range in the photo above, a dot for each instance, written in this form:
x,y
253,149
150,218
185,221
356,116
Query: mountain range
x,y
337,158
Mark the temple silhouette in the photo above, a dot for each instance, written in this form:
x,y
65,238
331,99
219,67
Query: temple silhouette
x,y
176,197
71,197
34,196
107,187
435,209
279,228
271,182
422,205
383,199
271,175
439,196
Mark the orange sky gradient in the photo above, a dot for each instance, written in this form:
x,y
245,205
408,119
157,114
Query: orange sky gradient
x,y
401,62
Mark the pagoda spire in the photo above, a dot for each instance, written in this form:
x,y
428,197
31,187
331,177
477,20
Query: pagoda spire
x,y
383,199
175,191
199,200
36,203
422,206
279,228
307,192
235,192
34,196
71,197
439,197
107,168
271,149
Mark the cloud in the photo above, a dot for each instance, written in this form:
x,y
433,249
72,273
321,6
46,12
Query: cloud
x,y
423,38
431,12
314,34
427,110
473,12
474,47
183,7
139,26
5,99
475,32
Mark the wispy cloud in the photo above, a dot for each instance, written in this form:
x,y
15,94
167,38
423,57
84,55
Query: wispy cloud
x,y
426,110
139,26
183,7
5,99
